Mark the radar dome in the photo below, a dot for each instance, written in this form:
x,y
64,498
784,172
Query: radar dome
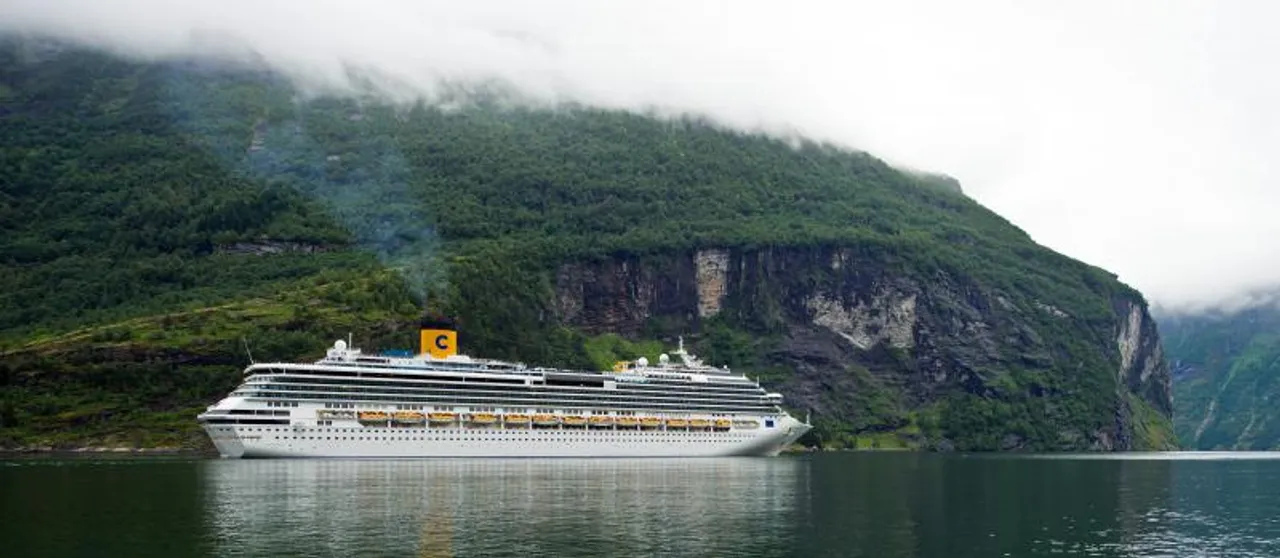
x,y
642,362
663,358
340,345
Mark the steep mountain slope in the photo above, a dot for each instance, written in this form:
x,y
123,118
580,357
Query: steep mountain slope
x,y
1226,378
153,214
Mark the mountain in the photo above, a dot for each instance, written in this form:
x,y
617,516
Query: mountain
x,y
161,220
1226,368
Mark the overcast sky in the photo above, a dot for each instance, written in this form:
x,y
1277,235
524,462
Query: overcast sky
x,y
1134,135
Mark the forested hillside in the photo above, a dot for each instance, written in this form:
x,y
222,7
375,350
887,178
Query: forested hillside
x,y
1226,370
155,218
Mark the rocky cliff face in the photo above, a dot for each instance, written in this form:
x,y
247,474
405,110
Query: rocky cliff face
x,y
872,350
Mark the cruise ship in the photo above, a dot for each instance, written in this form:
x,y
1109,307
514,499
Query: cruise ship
x,y
439,403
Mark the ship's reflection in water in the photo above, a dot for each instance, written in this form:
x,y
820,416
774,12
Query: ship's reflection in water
x,y
525,507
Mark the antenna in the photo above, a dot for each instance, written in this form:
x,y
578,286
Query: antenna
x,y
246,349
349,343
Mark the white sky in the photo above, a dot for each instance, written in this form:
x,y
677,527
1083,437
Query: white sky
x,y
1134,135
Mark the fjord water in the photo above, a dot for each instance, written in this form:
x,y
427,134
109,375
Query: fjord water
x,y
844,504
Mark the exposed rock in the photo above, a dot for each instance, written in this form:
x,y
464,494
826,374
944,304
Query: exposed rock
x,y
887,317
1143,367
713,268
619,295
1128,340
268,247
865,344
1052,310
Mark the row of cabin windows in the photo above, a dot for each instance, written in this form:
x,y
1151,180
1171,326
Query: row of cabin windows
x,y
534,437
637,388
652,379
420,438
541,411
411,391
490,432
650,407
459,395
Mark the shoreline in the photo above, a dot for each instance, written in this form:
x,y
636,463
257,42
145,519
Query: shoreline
x,y
101,451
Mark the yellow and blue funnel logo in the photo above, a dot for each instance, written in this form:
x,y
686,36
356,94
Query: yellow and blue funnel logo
x,y
439,343
438,338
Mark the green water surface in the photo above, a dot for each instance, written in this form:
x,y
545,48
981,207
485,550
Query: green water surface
x,y
834,504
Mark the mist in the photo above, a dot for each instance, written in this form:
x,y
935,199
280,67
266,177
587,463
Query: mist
x,y
1135,136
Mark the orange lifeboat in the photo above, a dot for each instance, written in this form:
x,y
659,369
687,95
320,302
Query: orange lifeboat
x,y
483,418
515,419
372,417
409,417
442,418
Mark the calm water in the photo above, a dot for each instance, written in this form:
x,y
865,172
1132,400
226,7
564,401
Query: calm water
x,y
875,505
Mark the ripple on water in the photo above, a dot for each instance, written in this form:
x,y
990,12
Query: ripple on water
x,y
846,504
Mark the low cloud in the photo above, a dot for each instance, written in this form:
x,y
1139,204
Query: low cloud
x,y
1136,136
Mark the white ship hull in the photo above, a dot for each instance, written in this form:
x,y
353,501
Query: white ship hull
x,y
236,441
353,405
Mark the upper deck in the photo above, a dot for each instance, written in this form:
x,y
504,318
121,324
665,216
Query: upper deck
x,y
341,358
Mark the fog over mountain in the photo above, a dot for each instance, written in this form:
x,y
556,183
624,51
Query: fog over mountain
x,y
1135,136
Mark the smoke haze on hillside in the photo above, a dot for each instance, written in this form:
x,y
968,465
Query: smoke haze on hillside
x,y
1136,136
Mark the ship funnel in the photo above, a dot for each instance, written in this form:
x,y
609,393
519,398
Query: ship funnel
x,y
438,337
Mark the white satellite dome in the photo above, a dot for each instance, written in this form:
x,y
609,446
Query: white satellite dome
x,y
340,345
663,359
642,362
